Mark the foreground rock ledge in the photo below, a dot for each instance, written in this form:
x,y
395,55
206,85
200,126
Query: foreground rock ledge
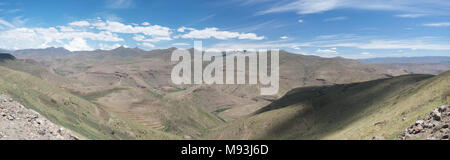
x,y
435,126
20,123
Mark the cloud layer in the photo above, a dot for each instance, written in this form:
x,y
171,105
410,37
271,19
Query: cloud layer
x,y
92,34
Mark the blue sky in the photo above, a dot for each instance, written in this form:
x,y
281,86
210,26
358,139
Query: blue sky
x,y
328,28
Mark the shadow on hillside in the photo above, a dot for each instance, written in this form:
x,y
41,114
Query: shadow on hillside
x,y
329,108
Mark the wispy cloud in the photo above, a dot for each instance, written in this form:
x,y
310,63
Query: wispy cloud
x,y
410,15
6,23
394,44
317,6
206,18
336,19
224,46
147,45
11,11
441,24
119,4
271,24
208,33
80,23
377,43
251,2
327,51
19,21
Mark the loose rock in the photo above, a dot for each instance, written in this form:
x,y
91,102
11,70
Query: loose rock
x,y
19,123
435,126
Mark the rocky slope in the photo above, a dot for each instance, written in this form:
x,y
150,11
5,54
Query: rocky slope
x,y
435,126
20,123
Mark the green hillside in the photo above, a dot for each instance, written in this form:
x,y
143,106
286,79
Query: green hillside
x,y
86,119
352,111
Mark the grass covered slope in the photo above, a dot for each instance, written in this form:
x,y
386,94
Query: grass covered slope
x,y
88,120
352,111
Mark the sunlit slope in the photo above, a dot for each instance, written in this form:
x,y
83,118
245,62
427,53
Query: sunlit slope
x,y
86,119
353,111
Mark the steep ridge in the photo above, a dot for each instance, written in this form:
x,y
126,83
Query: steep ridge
x,y
380,108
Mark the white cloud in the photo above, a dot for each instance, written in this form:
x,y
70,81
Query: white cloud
x,y
335,19
284,37
296,47
117,27
208,33
327,51
442,24
80,23
25,38
366,53
66,29
148,45
251,36
182,29
108,47
145,24
410,15
78,44
300,21
22,38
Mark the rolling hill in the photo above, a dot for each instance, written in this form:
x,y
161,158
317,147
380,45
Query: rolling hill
x,y
379,108
127,94
88,120
147,73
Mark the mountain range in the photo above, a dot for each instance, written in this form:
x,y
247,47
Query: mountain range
x,y
127,93
414,65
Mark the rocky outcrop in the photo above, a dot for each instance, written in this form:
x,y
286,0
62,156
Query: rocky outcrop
x,y
20,123
435,126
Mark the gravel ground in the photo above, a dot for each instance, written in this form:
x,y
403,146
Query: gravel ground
x,y
19,123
